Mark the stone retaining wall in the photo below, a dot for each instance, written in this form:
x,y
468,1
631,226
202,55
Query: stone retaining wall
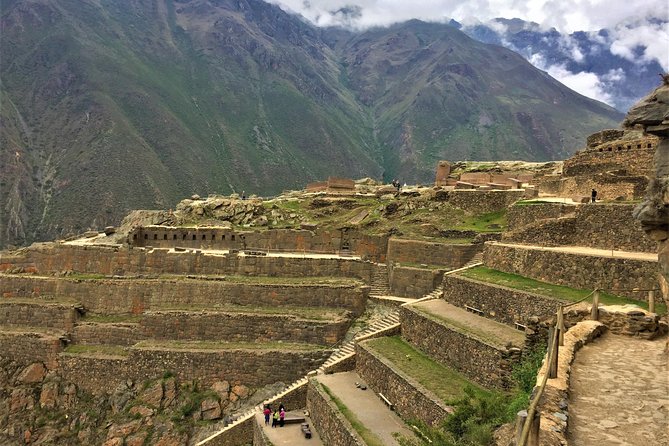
x,y
241,434
488,365
505,305
253,369
26,348
450,256
414,282
521,215
333,428
603,226
574,270
112,296
125,334
484,202
412,401
50,258
238,327
48,315
292,240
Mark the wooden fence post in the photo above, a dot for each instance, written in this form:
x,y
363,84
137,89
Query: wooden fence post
x,y
552,355
533,438
651,301
594,312
560,325
520,422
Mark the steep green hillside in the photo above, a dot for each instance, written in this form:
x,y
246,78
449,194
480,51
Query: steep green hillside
x,y
114,105
437,94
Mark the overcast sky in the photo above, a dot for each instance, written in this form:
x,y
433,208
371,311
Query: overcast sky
x,y
634,35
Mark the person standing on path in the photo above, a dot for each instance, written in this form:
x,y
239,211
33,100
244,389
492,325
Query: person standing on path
x,y
593,195
282,417
275,418
267,412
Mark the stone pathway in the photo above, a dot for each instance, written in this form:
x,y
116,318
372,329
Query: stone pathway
x,y
366,406
479,326
619,393
584,250
289,434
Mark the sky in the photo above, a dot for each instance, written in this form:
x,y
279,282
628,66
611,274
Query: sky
x,y
634,34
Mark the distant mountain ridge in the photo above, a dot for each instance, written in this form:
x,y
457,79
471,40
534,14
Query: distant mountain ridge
x,y
623,80
112,106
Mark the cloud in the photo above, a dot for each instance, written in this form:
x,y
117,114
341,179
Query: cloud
x,y
586,83
643,42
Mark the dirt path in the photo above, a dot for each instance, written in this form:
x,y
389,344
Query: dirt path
x,y
619,393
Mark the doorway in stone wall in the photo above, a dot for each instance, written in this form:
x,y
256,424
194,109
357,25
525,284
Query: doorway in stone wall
x,y
344,241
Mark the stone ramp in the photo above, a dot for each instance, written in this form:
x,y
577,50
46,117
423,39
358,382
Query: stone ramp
x,y
619,393
366,406
486,330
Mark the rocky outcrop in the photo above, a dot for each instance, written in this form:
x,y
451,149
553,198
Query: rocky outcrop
x,y
652,113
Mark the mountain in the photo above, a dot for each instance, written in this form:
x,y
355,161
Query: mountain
x,y
622,80
109,106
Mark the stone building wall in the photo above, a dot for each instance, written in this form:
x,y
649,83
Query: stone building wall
x,y
241,327
603,226
505,305
414,282
618,275
49,258
50,316
253,369
634,156
450,256
241,434
488,365
118,295
333,428
411,400
484,202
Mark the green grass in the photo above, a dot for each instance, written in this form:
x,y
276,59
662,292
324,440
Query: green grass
x,y
443,381
367,435
515,281
221,345
482,223
86,276
96,350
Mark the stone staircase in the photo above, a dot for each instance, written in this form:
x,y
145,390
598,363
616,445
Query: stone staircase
x,y
379,282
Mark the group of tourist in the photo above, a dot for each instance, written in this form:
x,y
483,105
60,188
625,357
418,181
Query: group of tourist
x,y
278,416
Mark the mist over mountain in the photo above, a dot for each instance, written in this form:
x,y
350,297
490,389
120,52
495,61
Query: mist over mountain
x,y
589,62
109,106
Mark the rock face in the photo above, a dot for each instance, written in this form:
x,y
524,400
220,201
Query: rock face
x,y
652,113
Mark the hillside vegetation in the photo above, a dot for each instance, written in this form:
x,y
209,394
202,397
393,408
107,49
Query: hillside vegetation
x,y
109,106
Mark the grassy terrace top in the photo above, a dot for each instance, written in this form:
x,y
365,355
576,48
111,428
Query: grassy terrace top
x,y
565,293
221,345
443,381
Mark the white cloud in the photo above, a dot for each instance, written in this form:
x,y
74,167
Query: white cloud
x,y
564,15
586,83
